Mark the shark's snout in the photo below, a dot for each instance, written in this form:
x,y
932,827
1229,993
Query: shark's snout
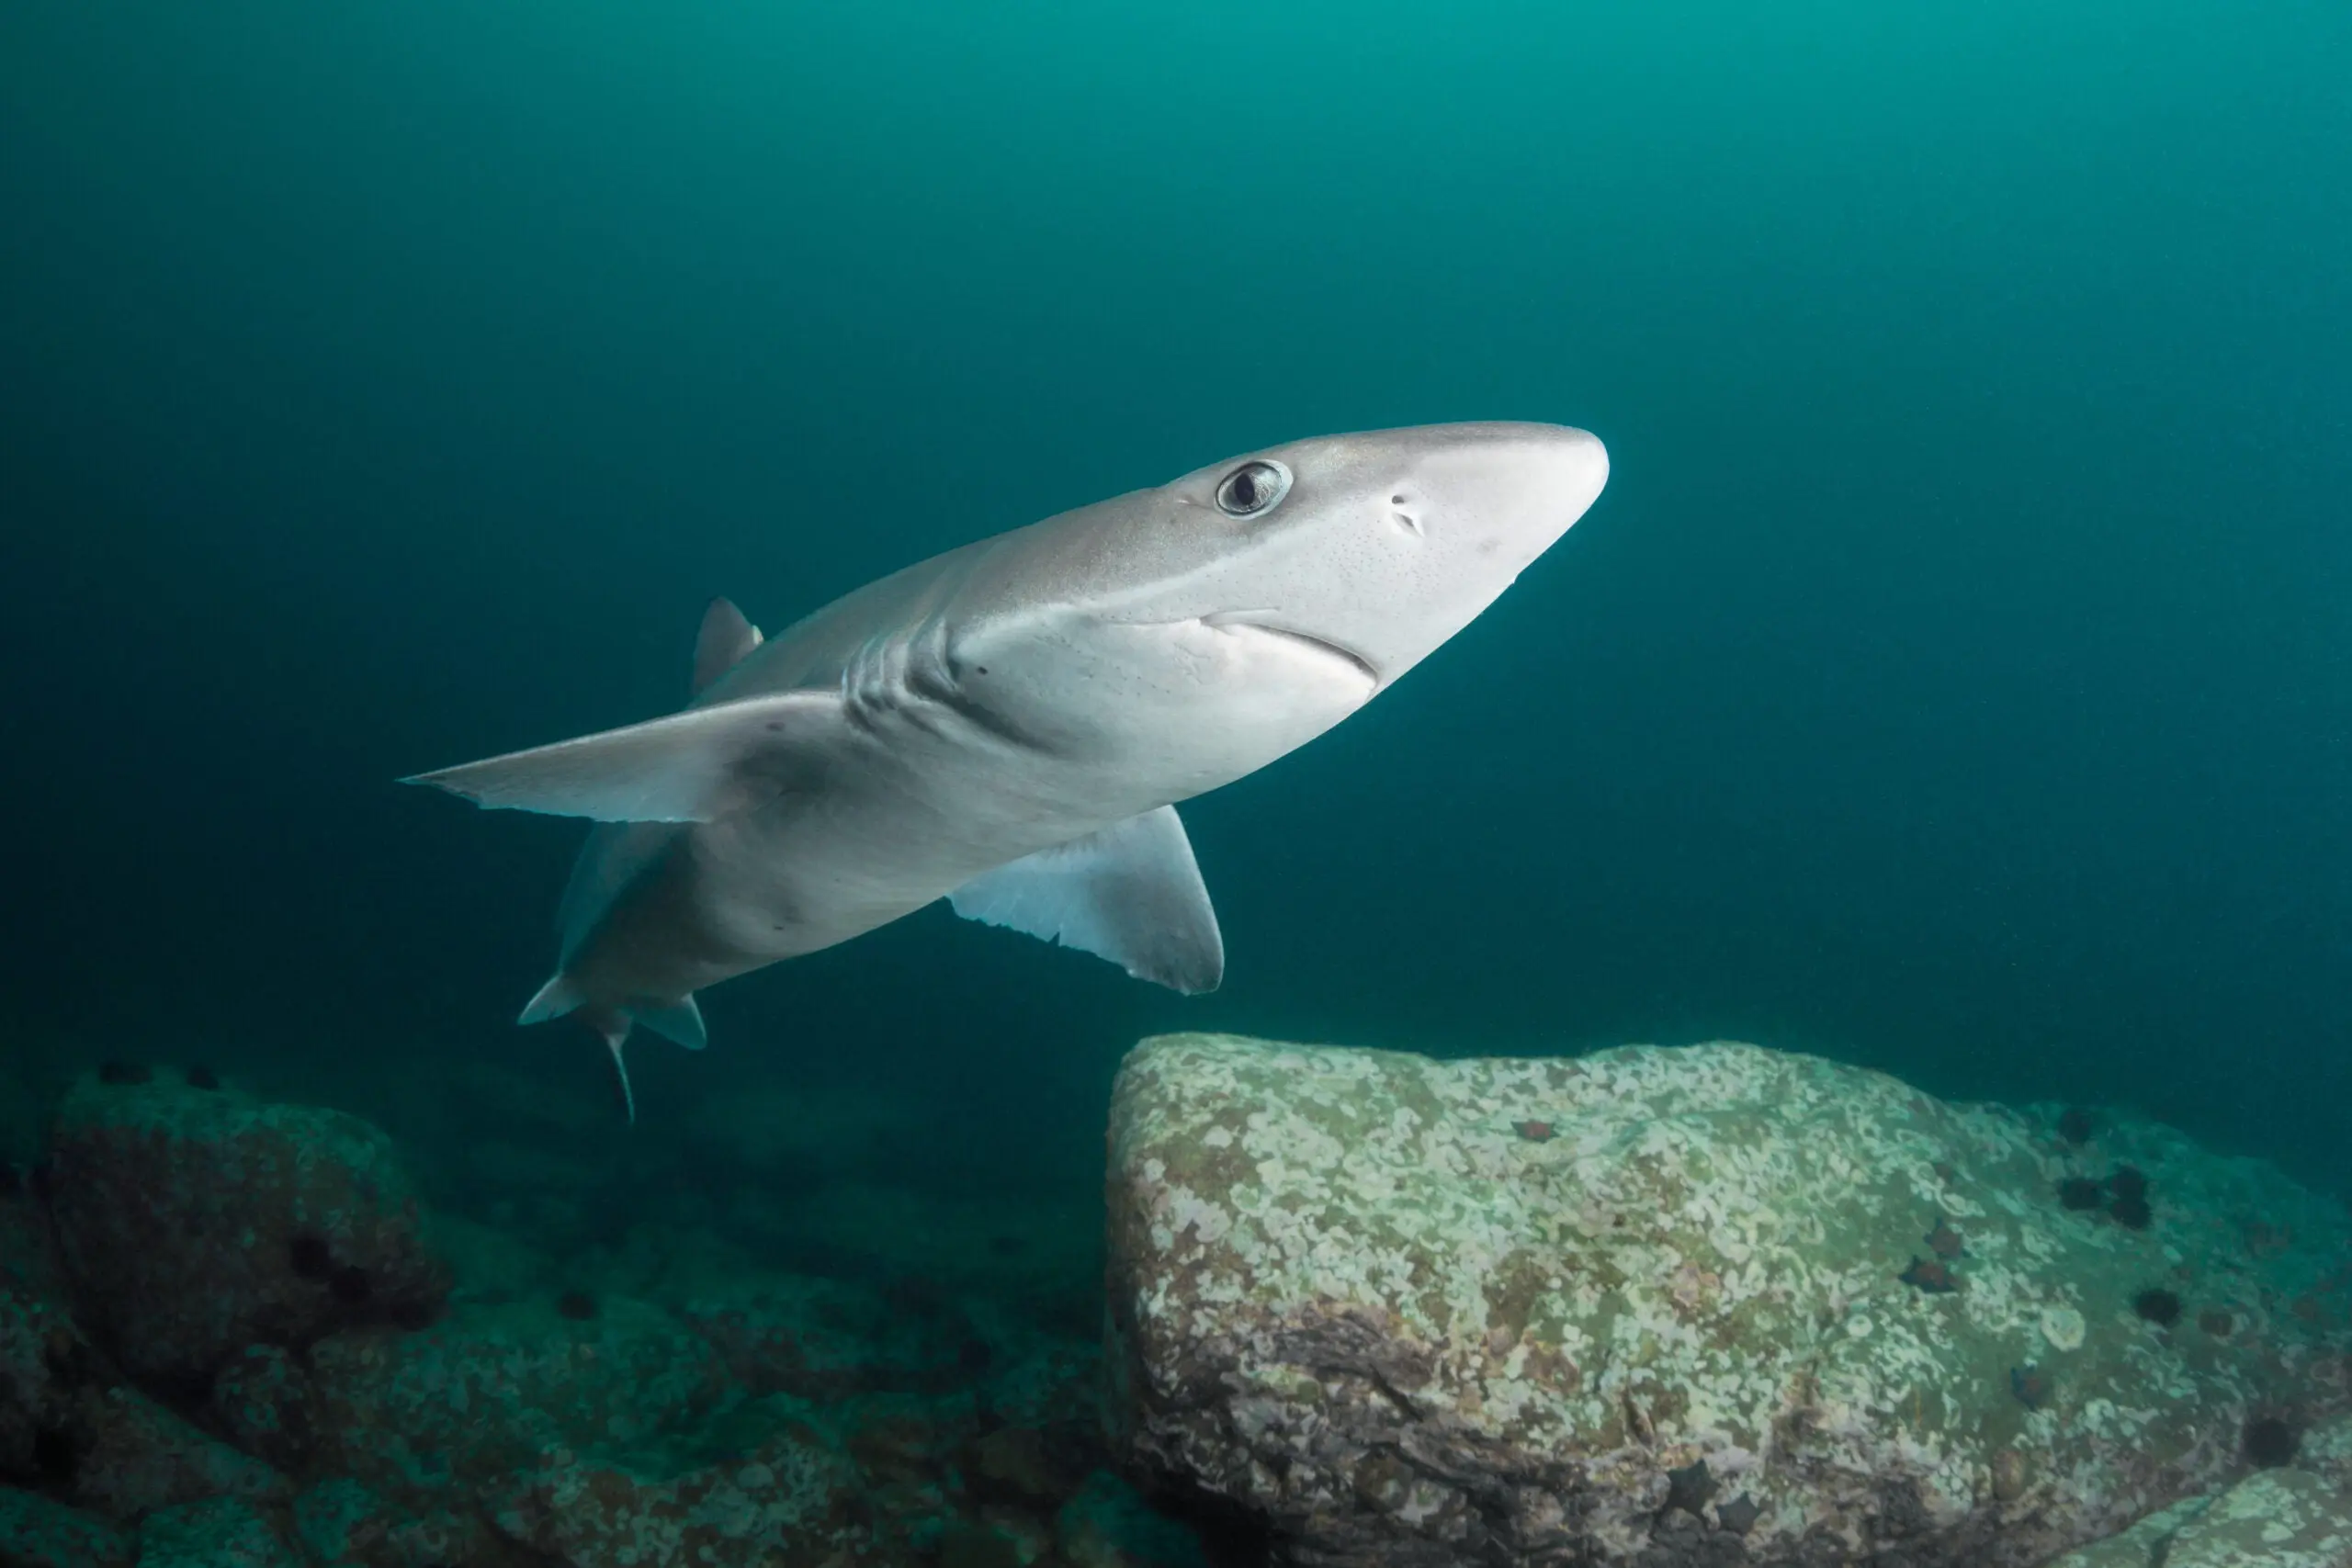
x,y
1396,540
1509,490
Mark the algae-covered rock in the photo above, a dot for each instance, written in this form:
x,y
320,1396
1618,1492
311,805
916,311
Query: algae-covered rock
x,y
1657,1306
38,1533
44,1362
134,1457
196,1221
2280,1519
99,1443
583,1438
45,1358
344,1524
489,1390
778,1495
224,1532
2296,1515
825,1338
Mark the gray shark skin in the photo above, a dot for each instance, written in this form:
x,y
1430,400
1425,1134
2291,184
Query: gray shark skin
x,y
1010,725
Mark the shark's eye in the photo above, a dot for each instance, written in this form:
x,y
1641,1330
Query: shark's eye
x,y
1252,488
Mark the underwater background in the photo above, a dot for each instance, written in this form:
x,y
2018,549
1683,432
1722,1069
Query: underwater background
x,y
1955,678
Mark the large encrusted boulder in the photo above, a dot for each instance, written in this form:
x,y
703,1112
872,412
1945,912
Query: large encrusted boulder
x,y
66,1417
1699,1305
196,1221
2295,1512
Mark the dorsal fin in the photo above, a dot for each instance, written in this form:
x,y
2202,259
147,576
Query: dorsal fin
x,y
725,637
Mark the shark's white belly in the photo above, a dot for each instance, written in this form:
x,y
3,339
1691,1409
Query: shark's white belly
x,y
963,754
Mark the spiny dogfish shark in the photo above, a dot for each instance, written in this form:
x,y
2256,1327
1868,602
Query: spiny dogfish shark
x,y
1011,725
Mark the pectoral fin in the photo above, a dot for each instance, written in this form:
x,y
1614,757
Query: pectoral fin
x,y
1131,893
695,766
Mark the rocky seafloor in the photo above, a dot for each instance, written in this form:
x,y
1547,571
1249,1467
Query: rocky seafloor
x,y
1647,1307
238,1331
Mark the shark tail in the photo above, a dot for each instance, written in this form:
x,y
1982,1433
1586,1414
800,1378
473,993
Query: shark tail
x,y
679,1021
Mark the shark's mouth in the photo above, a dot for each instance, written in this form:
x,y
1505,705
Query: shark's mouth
x,y
1261,621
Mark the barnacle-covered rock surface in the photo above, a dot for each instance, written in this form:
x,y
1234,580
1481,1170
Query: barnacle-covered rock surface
x,y
1709,1304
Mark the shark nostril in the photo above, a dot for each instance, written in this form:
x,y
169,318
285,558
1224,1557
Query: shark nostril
x,y
1407,522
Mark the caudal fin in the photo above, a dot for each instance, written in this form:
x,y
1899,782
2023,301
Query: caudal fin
x,y
611,1025
562,997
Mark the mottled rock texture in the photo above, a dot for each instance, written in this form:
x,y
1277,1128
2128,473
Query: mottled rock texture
x,y
133,1457
228,1336
44,1362
220,1532
2297,1514
38,1533
1712,1304
195,1223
